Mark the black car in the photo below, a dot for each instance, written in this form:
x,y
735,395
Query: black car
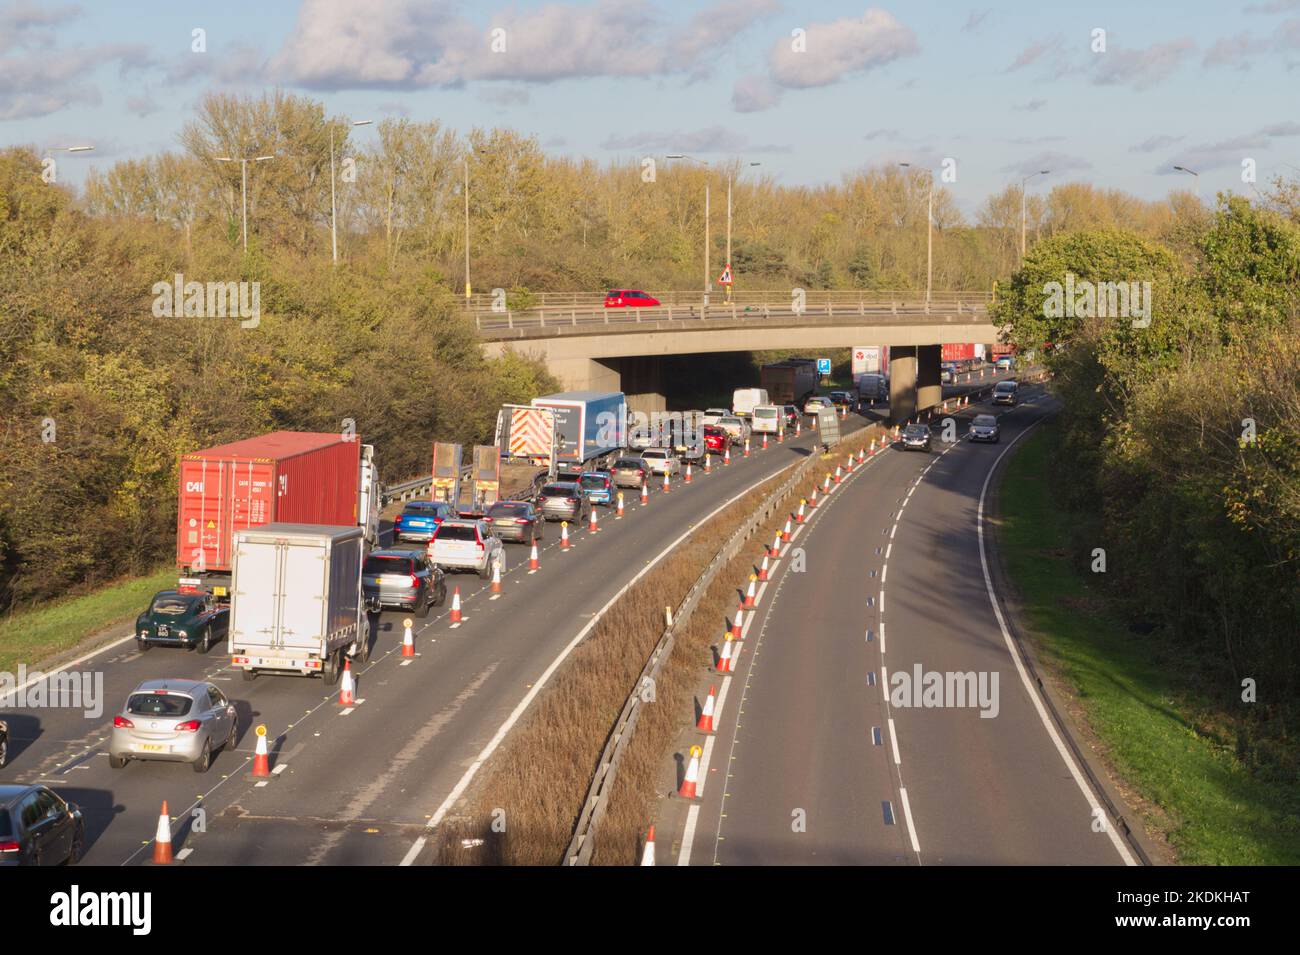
x,y
516,521
177,618
404,579
4,743
916,436
37,827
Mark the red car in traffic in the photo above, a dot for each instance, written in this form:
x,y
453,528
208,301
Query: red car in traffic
x,y
716,439
629,298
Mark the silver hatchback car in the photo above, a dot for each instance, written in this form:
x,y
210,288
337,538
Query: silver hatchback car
x,y
178,721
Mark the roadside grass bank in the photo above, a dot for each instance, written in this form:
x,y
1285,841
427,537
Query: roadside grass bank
x,y
522,808
1172,747
43,633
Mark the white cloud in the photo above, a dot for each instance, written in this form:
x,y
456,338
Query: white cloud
x,y
1140,69
841,48
1036,51
1052,160
751,94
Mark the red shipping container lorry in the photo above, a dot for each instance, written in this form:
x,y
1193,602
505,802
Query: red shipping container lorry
x,y
956,352
294,477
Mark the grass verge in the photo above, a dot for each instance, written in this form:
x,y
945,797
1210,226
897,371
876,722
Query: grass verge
x,y
32,636
1137,694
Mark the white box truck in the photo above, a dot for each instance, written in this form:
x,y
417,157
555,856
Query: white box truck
x,y
745,400
296,604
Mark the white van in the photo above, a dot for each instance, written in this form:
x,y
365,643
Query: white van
x,y
768,419
745,400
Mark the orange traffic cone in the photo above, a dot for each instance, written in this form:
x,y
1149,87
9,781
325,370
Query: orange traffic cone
x,y
496,568
667,486
724,655
688,472
648,853
347,696
708,462
564,537
408,641
762,571
592,525
737,623
455,605
261,758
780,435
705,721
689,784
162,840
798,518
726,455
776,546
747,447
785,534
749,594
812,499
826,485
645,493
533,562
618,512
764,440
839,475
798,426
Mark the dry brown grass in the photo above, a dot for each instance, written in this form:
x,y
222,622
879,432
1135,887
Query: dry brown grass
x,y
536,781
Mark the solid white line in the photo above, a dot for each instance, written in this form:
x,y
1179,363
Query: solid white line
x,y
893,530
536,688
882,638
1020,667
882,600
688,835
720,700
883,571
704,766
893,739
884,682
889,550
907,814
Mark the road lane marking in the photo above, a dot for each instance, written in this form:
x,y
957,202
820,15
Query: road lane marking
x,y
882,638
893,739
688,835
1043,716
907,814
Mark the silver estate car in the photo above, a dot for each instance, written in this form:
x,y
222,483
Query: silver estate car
x,y
564,501
178,721
404,579
984,428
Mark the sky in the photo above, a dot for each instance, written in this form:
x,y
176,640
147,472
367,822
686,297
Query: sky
x,y
1111,93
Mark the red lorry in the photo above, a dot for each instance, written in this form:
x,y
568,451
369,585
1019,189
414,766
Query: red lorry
x,y
295,477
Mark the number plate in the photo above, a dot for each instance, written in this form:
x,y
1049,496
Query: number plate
x,y
149,747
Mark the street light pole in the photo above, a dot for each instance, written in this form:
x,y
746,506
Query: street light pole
x,y
243,185
1041,172
1197,179
334,230
466,192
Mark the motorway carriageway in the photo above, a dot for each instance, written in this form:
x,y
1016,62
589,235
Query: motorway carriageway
x,y
361,785
806,733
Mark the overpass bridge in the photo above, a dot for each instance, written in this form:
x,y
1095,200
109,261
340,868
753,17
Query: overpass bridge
x,y
587,346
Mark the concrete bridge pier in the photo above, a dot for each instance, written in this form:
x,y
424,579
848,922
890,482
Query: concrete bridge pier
x,y
914,383
638,377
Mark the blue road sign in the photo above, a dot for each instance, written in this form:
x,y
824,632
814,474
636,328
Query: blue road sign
x,y
823,366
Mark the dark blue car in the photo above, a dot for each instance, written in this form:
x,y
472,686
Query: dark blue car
x,y
419,520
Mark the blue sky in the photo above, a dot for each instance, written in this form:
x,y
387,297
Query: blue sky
x,y
1000,87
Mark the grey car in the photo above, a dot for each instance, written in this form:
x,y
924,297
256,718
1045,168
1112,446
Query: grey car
x,y
403,579
985,428
1004,393
516,521
916,437
178,721
629,472
4,743
564,501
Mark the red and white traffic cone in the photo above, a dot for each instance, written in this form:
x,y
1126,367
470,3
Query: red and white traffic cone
x,y
848,464
747,447
708,462
162,840
726,455
667,485
839,475
645,492
862,456
261,757
687,479
408,641
812,499
618,509
455,605
813,424
496,569
347,691
798,518
738,623
705,722
762,571
648,853
533,562
826,486
689,784
798,426
764,440
776,545
564,537
785,533
780,435
724,655
749,594
592,525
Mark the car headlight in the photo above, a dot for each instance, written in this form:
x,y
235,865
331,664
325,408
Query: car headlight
x,y
180,634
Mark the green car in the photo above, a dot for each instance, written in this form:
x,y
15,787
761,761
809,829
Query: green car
x,y
178,619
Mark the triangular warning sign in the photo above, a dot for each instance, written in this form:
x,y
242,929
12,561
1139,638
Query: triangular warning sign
x,y
212,525
725,277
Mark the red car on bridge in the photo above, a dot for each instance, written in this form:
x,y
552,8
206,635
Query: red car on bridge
x,y
629,298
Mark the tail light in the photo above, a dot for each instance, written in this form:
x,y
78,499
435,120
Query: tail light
x,y
189,726
415,581
122,723
10,847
